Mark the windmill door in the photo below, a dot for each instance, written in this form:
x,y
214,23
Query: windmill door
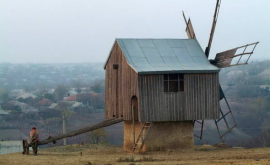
x,y
134,108
134,114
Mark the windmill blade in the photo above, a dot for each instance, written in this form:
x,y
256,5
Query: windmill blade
x,y
201,128
207,50
224,115
189,29
224,59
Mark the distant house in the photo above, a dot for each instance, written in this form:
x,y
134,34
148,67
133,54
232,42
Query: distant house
x,y
26,95
71,92
53,106
44,103
17,92
76,106
16,105
71,98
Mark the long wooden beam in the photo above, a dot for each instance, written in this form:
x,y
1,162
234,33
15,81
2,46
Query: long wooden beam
x,y
105,123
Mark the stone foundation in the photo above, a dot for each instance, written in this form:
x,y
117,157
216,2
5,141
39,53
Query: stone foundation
x,y
162,136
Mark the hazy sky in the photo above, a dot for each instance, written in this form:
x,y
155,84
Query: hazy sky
x,y
61,31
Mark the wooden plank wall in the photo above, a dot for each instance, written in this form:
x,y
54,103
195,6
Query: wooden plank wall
x,y
121,85
155,104
202,96
198,101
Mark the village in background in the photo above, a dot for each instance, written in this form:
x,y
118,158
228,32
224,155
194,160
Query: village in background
x,y
59,98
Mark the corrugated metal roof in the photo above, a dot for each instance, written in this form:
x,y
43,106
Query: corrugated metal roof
x,y
155,56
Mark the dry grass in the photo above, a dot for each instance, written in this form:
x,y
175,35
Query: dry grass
x,y
114,155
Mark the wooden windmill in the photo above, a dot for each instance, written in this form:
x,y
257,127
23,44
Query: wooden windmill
x,y
223,59
166,85
160,88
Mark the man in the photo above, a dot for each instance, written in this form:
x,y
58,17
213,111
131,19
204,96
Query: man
x,y
34,140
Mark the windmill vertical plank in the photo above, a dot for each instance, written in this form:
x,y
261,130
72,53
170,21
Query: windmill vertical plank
x,y
217,99
120,101
116,82
187,77
141,102
122,82
203,92
196,96
149,92
152,97
207,93
156,93
211,106
211,97
193,94
199,109
208,97
160,85
106,92
186,90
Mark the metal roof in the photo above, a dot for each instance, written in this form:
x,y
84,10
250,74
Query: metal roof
x,y
155,56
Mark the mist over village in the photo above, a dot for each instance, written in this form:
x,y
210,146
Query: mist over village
x,y
77,87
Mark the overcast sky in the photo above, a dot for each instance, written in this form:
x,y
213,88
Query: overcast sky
x,y
69,31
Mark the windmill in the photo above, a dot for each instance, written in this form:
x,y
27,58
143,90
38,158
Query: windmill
x,y
222,60
162,85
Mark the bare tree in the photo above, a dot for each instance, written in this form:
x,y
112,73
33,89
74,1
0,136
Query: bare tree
x,y
99,136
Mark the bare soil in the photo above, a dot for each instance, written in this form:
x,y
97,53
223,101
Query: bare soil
x,y
114,155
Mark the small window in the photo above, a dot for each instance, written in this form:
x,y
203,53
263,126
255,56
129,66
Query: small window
x,y
173,82
115,66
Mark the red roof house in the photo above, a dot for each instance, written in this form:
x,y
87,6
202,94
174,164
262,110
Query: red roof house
x,y
71,98
44,102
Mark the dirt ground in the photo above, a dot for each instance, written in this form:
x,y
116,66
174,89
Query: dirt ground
x,y
114,155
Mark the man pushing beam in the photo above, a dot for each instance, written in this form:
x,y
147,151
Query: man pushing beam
x,y
34,140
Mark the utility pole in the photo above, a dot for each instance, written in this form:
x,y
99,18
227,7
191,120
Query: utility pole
x,y
64,128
